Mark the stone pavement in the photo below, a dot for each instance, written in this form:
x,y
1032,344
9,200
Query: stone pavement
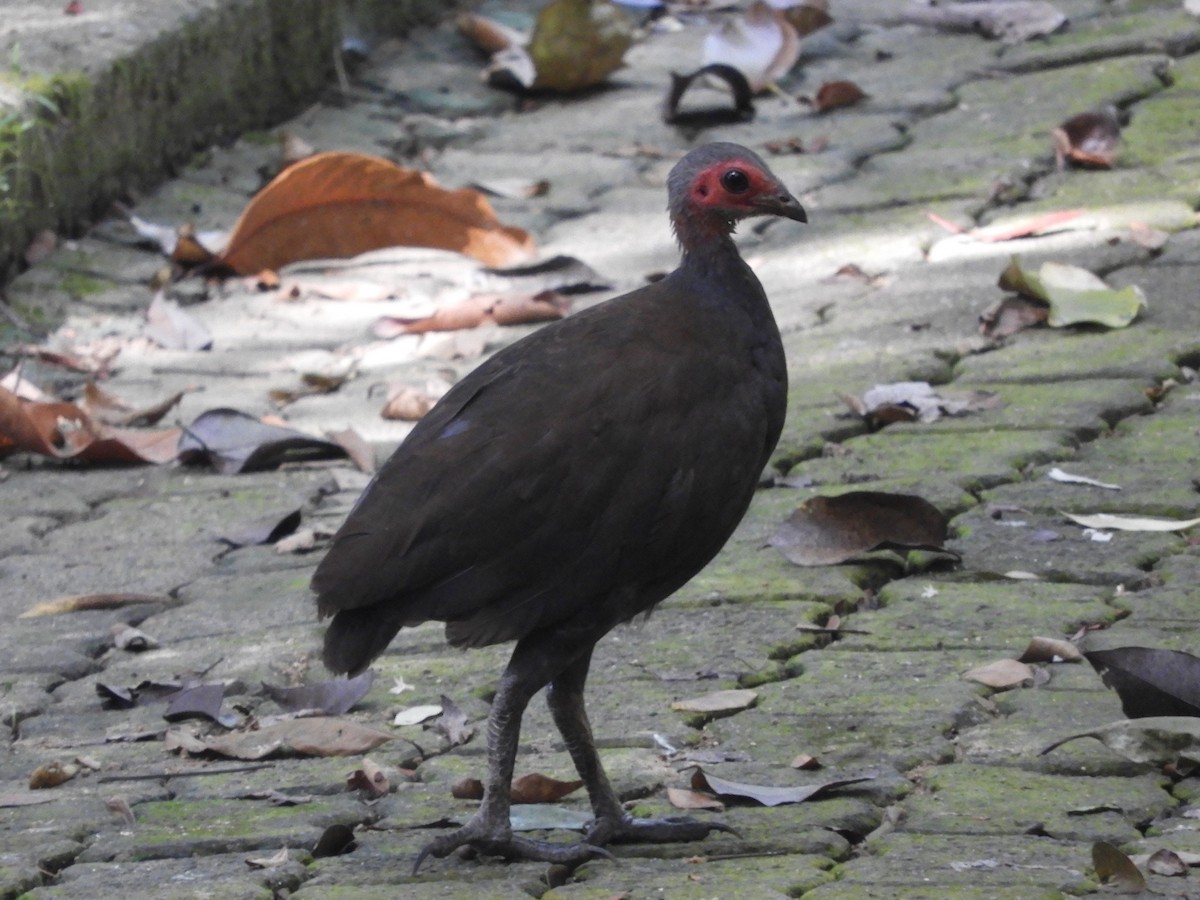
x,y
961,805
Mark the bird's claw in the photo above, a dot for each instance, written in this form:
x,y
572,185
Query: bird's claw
x,y
511,847
669,830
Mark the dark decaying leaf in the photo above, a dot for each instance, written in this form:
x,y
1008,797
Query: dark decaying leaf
x,y
452,723
1012,314
1089,139
1114,867
1150,682
203,700
765,794
232,442
1166,862
115,697
265,530
829,530
335,840
701,117
563,274
333,697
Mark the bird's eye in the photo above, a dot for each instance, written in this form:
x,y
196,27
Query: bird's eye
x,y
735,181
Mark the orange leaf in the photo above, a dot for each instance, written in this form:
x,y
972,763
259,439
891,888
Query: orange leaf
x,y
344,204
537,788
833,94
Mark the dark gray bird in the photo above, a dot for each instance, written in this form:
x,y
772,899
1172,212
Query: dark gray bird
x,y
576,479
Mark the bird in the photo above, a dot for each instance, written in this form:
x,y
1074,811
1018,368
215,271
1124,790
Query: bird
x,y
572,481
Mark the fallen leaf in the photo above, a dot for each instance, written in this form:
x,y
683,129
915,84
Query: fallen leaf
x,y
835,94
134,640
577,44
51,775
719,703
173,328
707,116
104,407
538,788
233,442
1001,675
1050,650
84,602
1074,295
344,204
1057,474
119,806
476,310
332,698
806,762
829,530
1089,139
415,715
560,273
357,449
452,723
1166,862
264,530
407,403
1113,866
488,34
1114,522
807,17
765,794
202,700
335,840
513,188
917,401
1150,681
1011,22
1009,315
370,778
760,43
316,736
1156,740
274,861
685,799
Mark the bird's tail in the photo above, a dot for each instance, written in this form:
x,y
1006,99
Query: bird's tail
x,y
357,636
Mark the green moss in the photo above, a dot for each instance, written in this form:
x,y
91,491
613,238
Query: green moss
x,y
79,285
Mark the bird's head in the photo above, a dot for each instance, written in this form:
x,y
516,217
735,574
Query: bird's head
x,y
715,185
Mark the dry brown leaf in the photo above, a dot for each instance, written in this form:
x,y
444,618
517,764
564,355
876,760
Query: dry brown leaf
x,y
808,17
1001,675
805,762
344,204
52,774
1113,866
369,777
1089,139
479,309
718,703
682,798
81,602
109,409
538,788
835,94
318,736
408,403
1049,650
1012,314
487,34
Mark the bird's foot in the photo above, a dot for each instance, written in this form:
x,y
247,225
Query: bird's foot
x,y
669,830
502,842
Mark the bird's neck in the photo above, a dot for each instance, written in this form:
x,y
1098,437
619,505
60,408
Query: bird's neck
x,y
706,240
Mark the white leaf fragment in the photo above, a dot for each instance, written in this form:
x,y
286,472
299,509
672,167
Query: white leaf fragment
x,y
1130,523
1057,474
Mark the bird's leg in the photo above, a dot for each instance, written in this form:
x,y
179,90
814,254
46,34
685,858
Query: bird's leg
x,y
612,824
489,831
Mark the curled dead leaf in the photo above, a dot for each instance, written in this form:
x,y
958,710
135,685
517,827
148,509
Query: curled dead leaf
x,y
344,204
834,95
1089,139
760,43
1001,675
